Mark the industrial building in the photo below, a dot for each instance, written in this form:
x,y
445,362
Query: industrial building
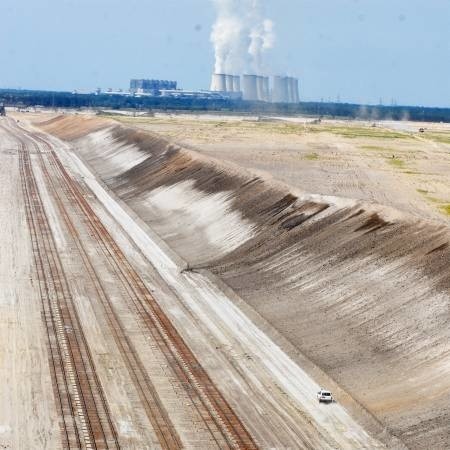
x,y
230,89
250,87
201,95
151,86
257,87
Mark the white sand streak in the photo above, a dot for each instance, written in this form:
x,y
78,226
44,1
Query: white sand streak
x,y
209,215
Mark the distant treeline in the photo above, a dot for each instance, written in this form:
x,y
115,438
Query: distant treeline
x,y
26,99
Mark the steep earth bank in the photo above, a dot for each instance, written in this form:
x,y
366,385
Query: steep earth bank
x,y
361,290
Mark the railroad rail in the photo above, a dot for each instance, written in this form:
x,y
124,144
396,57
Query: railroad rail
x,y
156,413
85,418
224,425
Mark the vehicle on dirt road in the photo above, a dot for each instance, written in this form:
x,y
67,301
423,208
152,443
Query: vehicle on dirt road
x,y
324,396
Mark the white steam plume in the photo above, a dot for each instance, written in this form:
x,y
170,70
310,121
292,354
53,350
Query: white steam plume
x,y
241,35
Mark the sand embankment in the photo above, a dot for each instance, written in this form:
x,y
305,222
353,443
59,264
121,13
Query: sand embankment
x,y
361,290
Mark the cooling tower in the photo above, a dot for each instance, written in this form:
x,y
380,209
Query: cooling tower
x,y
218,82
290,88
237,84
266,89
286,89
229,83
280,92
260,87
249,87
296,93
293,90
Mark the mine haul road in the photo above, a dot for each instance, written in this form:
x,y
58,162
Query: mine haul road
x,y
107,343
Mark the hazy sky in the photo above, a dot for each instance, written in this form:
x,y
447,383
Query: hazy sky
x,y
360,50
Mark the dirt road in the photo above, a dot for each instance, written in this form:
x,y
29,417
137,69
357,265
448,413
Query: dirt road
x,y
107,343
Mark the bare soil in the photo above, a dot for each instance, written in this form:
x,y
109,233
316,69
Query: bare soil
x,y
344,242
392,164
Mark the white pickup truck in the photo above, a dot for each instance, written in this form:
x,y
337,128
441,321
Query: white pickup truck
x,y
324,396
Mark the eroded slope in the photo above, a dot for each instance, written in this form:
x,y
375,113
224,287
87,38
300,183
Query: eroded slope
x,y
361,290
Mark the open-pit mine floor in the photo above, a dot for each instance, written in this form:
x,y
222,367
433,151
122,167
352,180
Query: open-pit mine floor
x,y
109,341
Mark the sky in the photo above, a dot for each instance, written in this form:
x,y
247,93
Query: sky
x,y
361,51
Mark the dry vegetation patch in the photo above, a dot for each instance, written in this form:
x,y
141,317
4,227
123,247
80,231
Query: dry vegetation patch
x,y
341,158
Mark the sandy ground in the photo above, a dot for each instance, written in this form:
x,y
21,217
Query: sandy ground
x,y
120,346
392,164
354,288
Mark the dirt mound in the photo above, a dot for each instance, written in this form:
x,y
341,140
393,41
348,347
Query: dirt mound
x,y
361,290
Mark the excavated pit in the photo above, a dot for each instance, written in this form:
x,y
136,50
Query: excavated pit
x,y
359,289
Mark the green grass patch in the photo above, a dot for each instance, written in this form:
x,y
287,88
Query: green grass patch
x,y
312,156
358,132
396,162
267,127
442,138
443,207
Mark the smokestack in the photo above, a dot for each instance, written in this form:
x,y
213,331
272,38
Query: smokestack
x,y
229,83
237,84
249,87
218,83
280,90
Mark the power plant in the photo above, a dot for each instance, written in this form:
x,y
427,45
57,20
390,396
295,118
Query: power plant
x,y
257,87
249,87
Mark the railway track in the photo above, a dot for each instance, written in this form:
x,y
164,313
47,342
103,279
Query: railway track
x,y
156,413
223,424
85,418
